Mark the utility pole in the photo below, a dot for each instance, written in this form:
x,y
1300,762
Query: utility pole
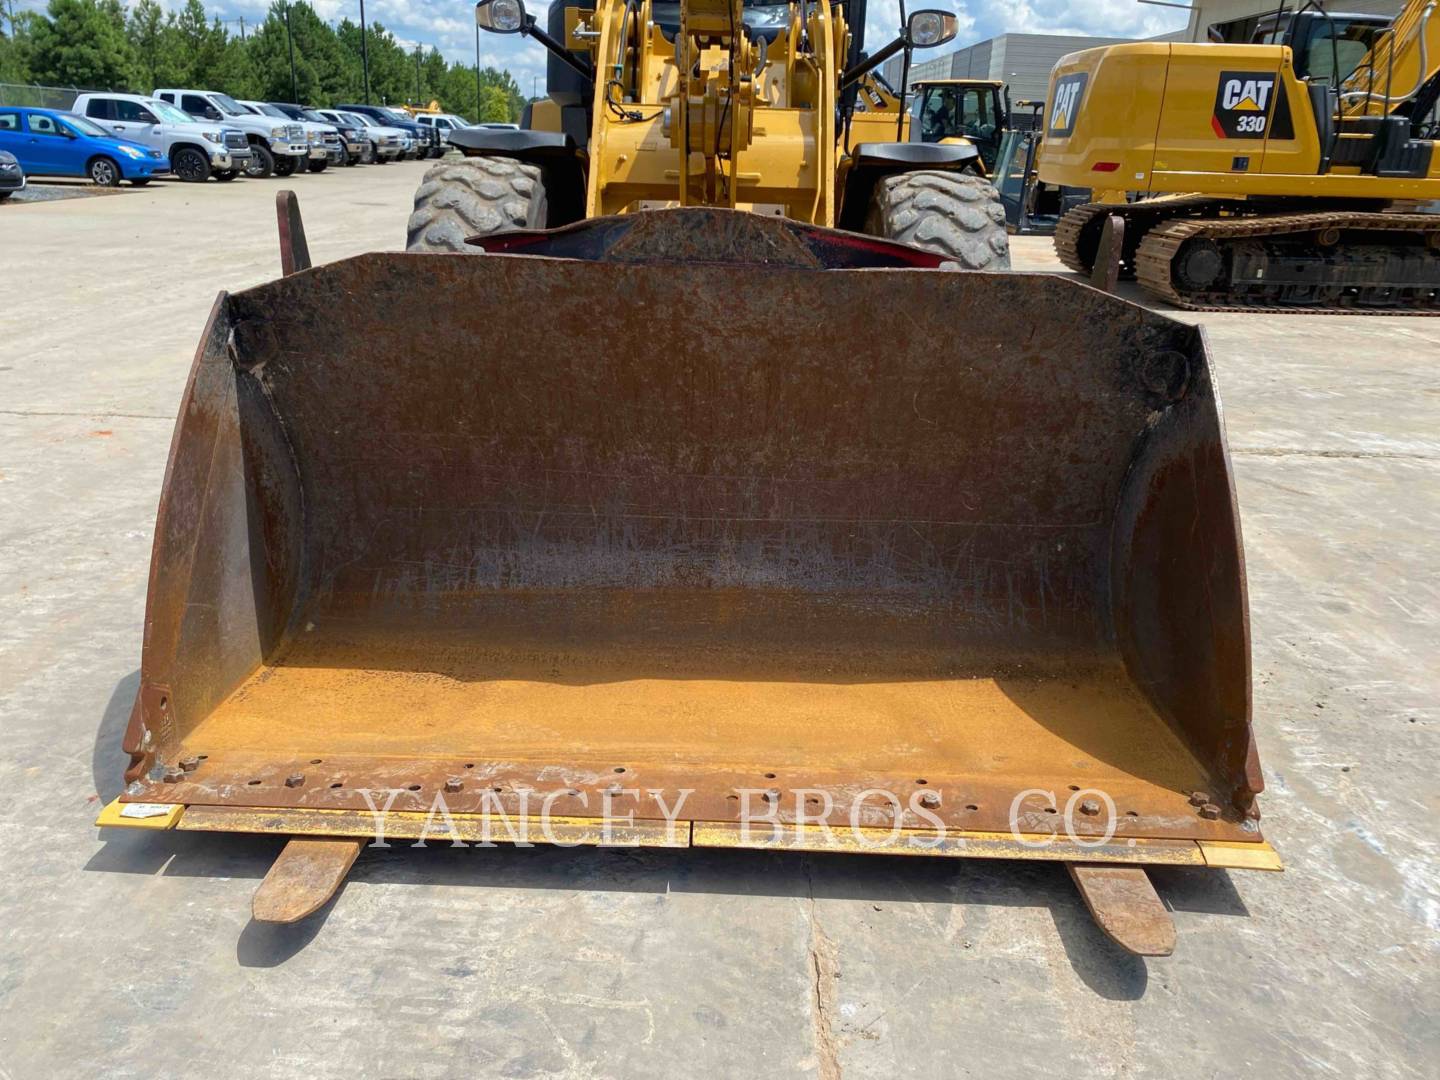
x,y
294,82
364,53
417,75
242,29
477,73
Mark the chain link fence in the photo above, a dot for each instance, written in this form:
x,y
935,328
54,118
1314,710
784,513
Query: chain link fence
x,y
42,97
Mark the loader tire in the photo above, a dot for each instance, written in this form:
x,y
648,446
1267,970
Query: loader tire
x,y
474,197
955,215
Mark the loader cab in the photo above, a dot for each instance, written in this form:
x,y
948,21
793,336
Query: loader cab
x,y
949,109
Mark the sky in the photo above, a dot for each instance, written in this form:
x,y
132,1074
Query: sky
x,y
449,24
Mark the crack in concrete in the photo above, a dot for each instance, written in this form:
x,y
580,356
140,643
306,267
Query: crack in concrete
x,y
824,970
1290,451
98,415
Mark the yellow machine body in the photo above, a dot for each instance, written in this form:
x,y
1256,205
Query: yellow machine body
x,y
1285,174
1217,119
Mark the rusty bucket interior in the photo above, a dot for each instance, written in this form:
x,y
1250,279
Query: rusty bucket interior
x,y
542,525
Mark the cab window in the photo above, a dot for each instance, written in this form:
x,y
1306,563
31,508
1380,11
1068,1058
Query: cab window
x,y
134,112
1335,50
196,105
40,124
948,112
100,109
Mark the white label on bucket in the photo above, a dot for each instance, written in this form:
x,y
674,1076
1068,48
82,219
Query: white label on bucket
x,y
145,809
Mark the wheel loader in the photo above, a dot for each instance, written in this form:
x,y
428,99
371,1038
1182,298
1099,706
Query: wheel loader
x,y
1297,172
977,111
702,509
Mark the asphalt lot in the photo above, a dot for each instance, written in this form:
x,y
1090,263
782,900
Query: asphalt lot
x,y
133,955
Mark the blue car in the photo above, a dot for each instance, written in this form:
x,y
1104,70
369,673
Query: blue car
x,y
47,142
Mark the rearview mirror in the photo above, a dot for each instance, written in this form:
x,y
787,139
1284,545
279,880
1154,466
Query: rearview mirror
x,y
500,16
929,28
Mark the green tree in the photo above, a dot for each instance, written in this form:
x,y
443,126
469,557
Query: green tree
x,y
235,74
433,72
81,43
199,46
156,47
324,73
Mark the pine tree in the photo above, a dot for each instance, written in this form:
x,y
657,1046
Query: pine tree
x,y
155,44
200,45
81,43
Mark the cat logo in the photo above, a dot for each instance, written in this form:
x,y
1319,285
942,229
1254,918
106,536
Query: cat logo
x,y
1243,102
1066,107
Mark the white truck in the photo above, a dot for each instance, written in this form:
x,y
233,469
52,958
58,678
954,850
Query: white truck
x,y
443,123
196,150
277,148
323,139
387,144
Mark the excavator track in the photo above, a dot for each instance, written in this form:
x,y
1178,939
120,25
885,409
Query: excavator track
x,y
1077,235
1332,262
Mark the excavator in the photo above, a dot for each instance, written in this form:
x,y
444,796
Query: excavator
x,y
724,492
1294,172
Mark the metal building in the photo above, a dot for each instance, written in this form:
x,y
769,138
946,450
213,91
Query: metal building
x,y
1205,12
1023,61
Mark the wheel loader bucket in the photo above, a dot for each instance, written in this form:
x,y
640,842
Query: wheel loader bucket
x,y
694,540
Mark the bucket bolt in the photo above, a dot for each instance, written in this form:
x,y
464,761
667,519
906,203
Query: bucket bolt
x,y
173,775
295,780
453,785
1210,811
930,799
1089,808
1199,798
190,764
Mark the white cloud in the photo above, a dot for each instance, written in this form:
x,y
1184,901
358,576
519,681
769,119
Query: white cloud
x,y
448,24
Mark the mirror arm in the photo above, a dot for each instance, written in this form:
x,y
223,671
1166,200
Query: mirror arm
x,y
530,28
860,70
904,87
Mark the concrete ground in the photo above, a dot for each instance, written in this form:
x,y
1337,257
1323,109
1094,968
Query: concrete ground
x,y
133,955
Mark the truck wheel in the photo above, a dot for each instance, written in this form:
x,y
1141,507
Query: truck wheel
x,y
475,197
954,215
367,155
317,166
104,172
190,165
227,175
261,163
284,166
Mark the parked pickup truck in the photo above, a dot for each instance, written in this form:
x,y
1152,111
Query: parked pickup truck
x,y
352,134
323,139
423,139
386,144
443,124
276,148
196,151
